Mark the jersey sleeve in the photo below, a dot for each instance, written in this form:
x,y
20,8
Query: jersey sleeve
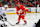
x,y
17,10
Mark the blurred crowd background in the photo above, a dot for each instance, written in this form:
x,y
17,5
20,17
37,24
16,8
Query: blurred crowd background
x,y
26,3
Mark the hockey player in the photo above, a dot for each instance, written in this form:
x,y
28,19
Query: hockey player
x,y
3,15
21,11
4,9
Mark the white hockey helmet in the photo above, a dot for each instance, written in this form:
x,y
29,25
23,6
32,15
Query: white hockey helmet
x,y
5,5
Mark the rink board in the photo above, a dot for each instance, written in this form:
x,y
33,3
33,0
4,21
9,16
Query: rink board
x,y
32,9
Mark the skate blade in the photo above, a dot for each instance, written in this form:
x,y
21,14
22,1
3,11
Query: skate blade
x,y
20,25
25,24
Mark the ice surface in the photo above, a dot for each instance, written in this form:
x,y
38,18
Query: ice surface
x,y
31,18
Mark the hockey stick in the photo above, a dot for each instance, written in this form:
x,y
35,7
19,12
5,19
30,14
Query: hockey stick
x,y
10,23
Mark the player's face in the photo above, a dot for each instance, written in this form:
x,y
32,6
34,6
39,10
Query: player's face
x,y
5,7
18,4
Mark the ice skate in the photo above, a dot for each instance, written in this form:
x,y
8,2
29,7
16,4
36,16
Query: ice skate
x,y
25,23
17,23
